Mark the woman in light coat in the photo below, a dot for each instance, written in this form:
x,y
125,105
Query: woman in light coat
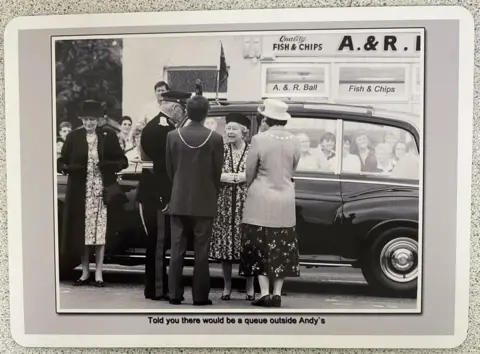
x,y
270,244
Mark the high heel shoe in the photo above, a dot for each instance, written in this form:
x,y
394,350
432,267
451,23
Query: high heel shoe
x,y
264,301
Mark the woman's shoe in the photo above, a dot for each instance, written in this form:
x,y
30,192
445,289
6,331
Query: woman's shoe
x,y
99,284
225,297
276,301
81,282
250,297
264,301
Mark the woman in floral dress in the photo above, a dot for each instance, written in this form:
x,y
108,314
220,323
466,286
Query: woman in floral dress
x,y
270,249
226,242
91,157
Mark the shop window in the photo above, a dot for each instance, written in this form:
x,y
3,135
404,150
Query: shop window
x,y
295,80
381,151
367,82
318,141
184,79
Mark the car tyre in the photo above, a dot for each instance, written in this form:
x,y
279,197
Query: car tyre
x,y
390,264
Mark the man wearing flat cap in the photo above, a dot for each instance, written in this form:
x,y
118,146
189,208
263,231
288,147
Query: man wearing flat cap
x,y
156,192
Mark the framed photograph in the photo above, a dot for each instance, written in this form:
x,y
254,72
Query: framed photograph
x,y
279,178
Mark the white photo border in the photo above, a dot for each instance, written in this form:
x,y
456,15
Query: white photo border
x,y
416,310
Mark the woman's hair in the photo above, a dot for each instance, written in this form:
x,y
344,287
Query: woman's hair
x,y
124,118
327,136
60,140
273,122
347,139
197,108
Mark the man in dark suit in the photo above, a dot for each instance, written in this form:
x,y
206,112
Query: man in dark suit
x,y
194,158
153,143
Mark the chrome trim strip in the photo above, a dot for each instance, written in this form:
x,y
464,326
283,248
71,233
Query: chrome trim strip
x,y
315,264
355,181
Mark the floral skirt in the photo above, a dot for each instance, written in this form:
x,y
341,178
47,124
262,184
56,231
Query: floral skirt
x,y
272,252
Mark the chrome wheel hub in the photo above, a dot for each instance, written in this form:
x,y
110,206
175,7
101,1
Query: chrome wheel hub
x,y
399,260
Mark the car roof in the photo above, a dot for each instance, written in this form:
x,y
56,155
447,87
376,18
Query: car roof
x,y
326,108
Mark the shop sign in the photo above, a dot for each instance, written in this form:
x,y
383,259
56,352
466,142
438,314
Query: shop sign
x,y
347,44
296,87
374,90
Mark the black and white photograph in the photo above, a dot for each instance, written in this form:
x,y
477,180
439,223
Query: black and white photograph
x,y
275,170
276,178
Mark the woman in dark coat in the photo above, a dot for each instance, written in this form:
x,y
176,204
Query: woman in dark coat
x,y
91,157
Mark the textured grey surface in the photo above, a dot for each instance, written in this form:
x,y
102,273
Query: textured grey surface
x,y
13,8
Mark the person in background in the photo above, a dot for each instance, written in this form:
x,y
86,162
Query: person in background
x,y
226,243
211,123
270,250
194,159
152,109
408,166
153,144
59,145
90,157
383,155
365,152
311,161
351,163
125,137
327,145
64,129
399,150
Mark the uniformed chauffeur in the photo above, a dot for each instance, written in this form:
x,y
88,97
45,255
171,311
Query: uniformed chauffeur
x,y
157,224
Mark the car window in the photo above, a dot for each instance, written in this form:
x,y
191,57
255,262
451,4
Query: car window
x,y
214,123
318,143
384,151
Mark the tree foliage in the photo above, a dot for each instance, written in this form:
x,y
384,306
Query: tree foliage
x,y
88,69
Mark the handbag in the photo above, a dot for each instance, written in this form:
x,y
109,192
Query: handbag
x,y
112,194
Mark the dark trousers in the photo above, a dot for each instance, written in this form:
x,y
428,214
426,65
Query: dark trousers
x,y
183,228
158,237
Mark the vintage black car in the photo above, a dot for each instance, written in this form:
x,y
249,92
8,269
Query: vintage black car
x,y
345,217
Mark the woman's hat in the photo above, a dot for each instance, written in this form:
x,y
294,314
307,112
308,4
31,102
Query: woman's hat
x,y
92,109
274,109
238,118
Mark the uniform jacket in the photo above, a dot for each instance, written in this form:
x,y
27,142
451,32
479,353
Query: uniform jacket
x,y
271,163
153,144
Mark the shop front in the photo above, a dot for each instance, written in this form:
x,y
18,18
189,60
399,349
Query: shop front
x,y
379,69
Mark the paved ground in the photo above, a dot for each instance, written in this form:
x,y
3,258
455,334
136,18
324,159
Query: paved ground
x,y
318,288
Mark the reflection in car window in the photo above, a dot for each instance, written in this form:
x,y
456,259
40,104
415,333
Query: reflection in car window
x,y
372,149
214,123
317,140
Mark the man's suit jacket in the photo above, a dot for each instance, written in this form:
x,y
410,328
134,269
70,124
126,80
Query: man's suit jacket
x,y
153,143
194,172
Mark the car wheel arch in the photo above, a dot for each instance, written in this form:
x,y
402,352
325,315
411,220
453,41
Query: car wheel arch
x,y
382,227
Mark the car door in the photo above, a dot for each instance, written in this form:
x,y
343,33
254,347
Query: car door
x,y
379,185
317,187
